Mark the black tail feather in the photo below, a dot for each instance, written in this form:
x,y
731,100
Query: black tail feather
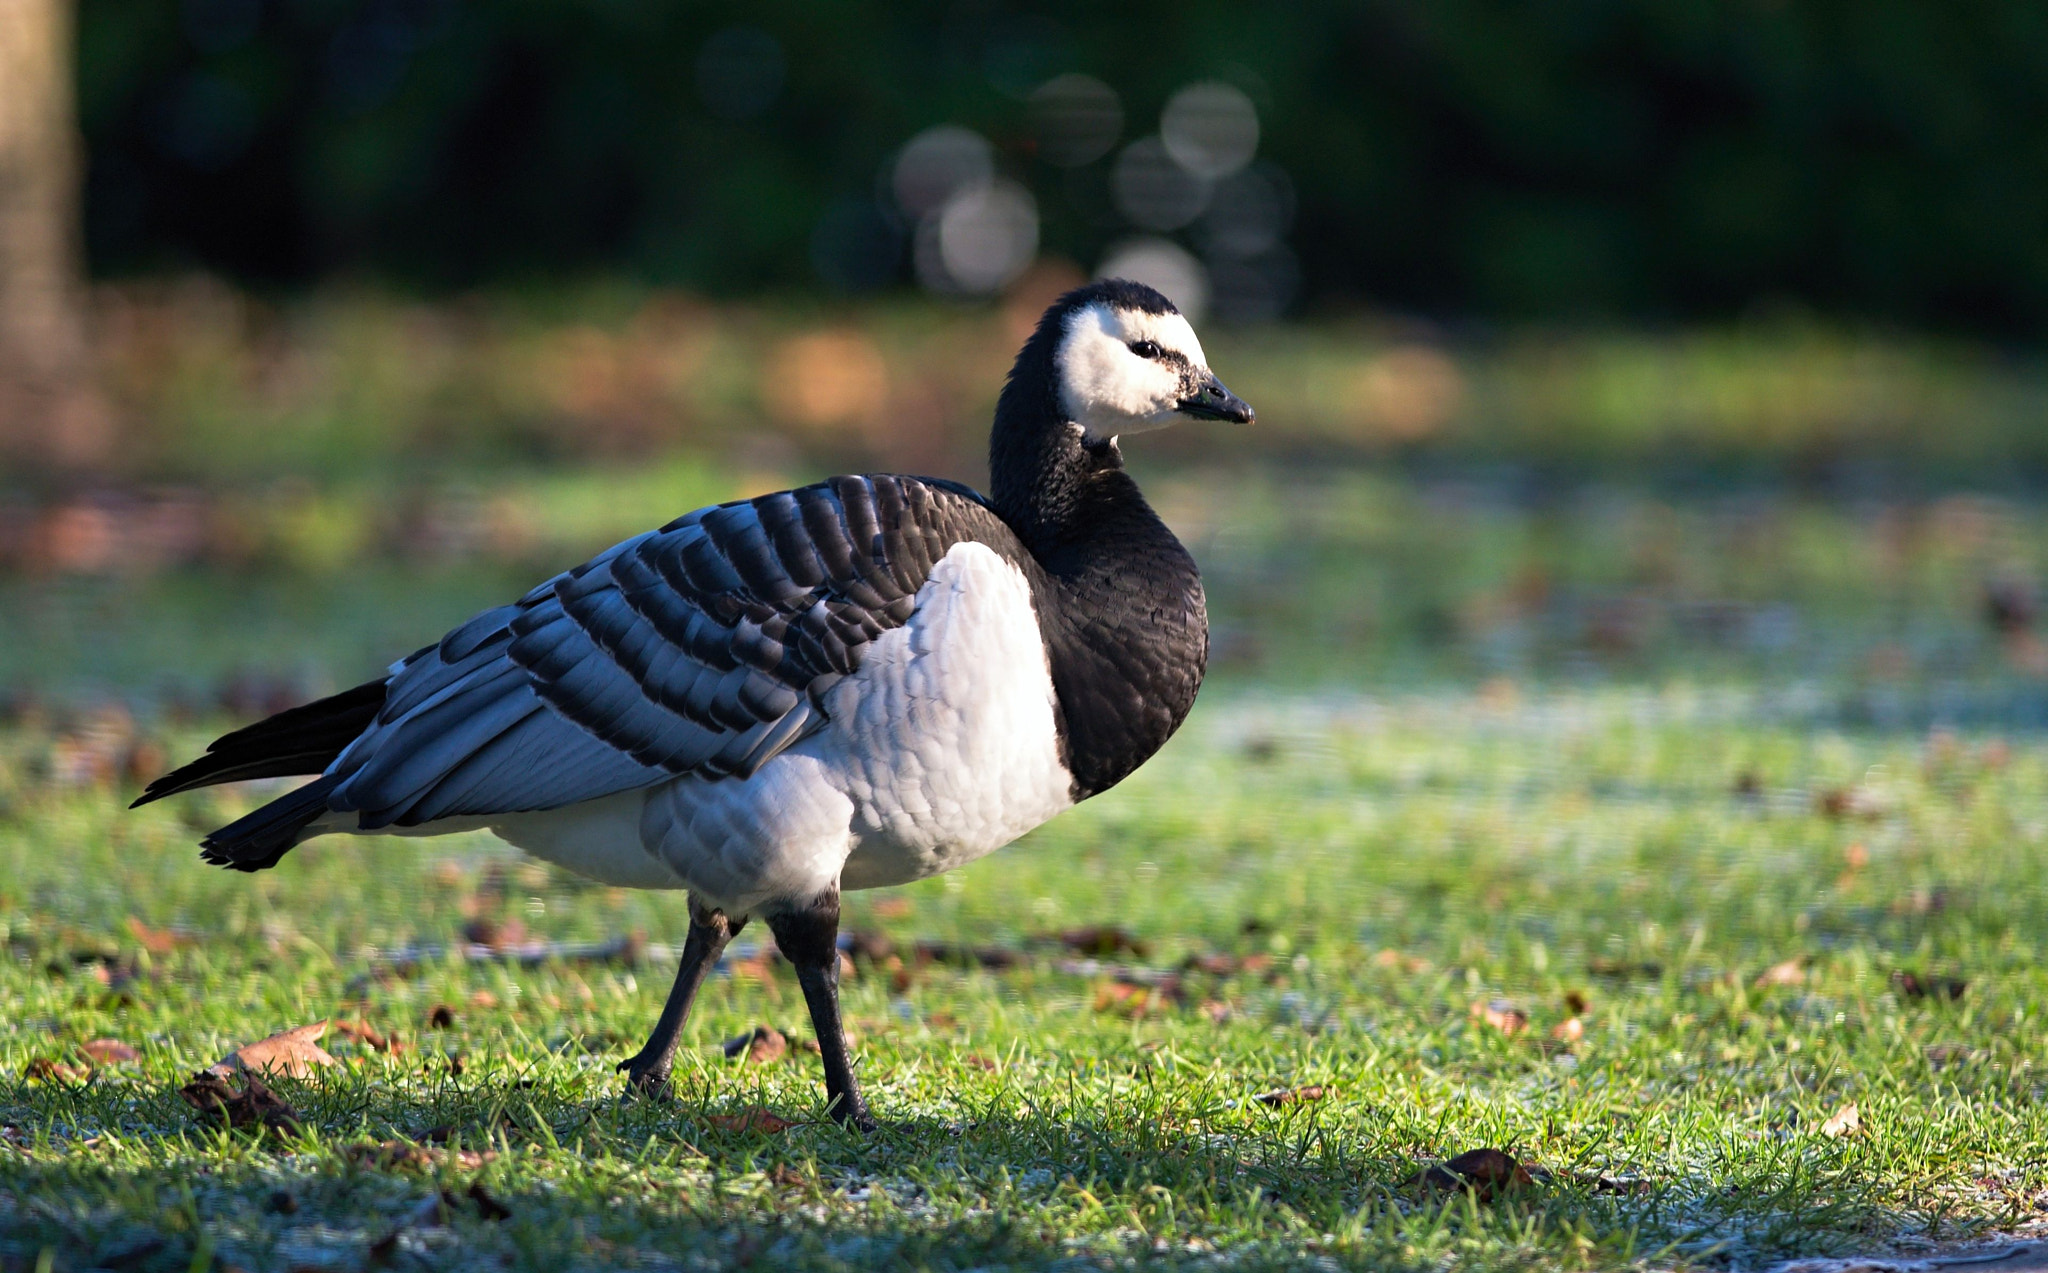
x,y
302,740
255,841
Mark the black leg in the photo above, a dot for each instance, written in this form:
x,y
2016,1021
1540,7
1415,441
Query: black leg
x,y
809,939
647,1072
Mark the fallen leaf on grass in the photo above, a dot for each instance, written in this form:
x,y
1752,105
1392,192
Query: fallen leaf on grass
x,y
1399,962
43,1069
293,1052
1226,965
994,958
369,1036
787,1177
1292,1095
754,1119
1570,1030
254,1105
494,934
483,999
760,1045
1846,1121
157,941
1130,998
1103,940
1486,1173
1790,972
976,1061
1915,985
1502,1016
109,1052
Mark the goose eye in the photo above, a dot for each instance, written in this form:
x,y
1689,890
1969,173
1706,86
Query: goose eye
x,y
1144,349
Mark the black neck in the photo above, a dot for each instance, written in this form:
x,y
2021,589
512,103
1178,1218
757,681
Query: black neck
x,y
1039,467
1120,600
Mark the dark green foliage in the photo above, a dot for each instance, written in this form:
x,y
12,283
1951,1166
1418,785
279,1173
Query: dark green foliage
x,y
1638,157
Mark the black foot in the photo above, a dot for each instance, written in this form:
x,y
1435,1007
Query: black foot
x,y
647,1070
645,1076
808,938
857,1119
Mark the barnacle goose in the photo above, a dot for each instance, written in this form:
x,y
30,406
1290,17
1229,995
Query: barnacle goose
x,y
850,685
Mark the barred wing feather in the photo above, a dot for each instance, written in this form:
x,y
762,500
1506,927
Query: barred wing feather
x,y
703,648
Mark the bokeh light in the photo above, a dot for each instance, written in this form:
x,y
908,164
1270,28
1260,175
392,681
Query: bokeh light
x,y
1210,129
984,237
1076,119
1164,265
936,164
740,72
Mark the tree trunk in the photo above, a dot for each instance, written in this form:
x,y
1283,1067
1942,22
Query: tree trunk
x,y
51,413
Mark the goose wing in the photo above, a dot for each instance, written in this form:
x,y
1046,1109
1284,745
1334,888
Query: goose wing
x,y
702,648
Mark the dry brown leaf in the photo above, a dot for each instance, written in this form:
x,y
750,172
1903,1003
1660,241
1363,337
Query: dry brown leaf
x,y
157,941
494,934
1570,1030
760,1045
1502,1016
1790,972
369,1036
1846,1121
292,1052
483,999
976,1061
253,1105
752,1119
1916,985
43,1069
109,1052
1292,1095
1103,940
1128,998
1487,1173
1400,962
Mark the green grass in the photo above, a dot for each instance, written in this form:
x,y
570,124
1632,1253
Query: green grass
x,y
1399,859
1599,752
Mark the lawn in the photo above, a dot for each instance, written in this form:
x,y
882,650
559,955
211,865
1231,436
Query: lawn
x,y
1690,850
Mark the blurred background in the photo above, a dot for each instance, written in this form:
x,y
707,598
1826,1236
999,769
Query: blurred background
x,y
1614,340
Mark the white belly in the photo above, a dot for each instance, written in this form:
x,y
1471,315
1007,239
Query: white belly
x,y
940,749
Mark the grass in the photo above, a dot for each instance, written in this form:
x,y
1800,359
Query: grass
x,y
1637,861
1723,779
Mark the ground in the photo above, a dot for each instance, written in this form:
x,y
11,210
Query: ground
x,y
1688,851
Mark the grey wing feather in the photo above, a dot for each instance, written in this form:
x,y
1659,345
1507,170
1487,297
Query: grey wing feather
x,y
702,648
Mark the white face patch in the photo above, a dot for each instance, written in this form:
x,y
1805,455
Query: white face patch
x,y
1108,389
